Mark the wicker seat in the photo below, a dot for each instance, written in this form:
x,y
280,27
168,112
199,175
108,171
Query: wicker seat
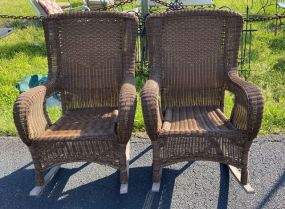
x,y
197,120
97,123
193,60
91,59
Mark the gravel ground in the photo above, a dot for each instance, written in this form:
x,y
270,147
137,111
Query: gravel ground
x,y
185,185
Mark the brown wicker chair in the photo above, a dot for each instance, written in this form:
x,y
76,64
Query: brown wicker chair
x,y
91,58
193,60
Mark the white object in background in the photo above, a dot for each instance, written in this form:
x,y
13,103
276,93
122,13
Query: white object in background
x,y
5,32
131,11
196,2
185,3
281,4
150,3
85,6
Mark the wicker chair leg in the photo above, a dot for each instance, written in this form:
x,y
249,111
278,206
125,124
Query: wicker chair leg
x,y
124,167
37,190
39,171
156,167
242,178
156,172
39,176
156,182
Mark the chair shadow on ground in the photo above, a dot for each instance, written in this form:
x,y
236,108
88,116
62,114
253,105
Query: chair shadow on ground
x,y
279,184
102,193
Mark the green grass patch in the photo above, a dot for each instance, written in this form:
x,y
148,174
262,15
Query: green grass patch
x,y
23,53
139,122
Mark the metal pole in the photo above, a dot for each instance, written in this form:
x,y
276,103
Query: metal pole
x,y
249,51
144,5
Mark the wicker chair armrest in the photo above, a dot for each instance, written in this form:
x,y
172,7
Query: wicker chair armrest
x,y
248,108
127,109
30,115
151,108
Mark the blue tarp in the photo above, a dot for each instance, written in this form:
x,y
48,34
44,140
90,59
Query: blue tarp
x,y
30,82
35,80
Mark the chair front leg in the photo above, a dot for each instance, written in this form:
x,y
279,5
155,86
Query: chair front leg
x,y
156,167
39,174
242,178
42,181
124,166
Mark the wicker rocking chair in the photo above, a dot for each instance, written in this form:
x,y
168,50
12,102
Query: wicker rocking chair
x,y
193,60
91,59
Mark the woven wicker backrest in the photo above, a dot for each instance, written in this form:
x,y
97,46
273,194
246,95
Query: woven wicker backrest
x,y
89,55
190,52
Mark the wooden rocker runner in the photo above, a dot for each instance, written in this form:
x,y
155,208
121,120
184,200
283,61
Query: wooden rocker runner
x,y
91,59
193,60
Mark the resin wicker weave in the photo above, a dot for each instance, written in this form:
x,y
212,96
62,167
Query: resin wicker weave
x,y
91,58
193,60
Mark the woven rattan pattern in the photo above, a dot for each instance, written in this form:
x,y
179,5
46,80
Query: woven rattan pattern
x,y
91,58
193,60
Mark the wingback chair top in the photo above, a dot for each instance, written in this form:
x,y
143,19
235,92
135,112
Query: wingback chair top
x,y
89,66
193,59
91,60
191,52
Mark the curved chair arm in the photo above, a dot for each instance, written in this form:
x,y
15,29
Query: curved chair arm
x,y
127,109
151,108
30,115
248,108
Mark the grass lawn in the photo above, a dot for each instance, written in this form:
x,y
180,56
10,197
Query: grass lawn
x,y
23,53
